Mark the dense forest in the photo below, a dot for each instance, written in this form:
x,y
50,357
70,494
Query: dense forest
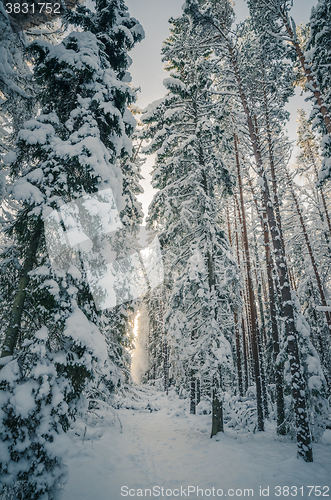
x,y
224,297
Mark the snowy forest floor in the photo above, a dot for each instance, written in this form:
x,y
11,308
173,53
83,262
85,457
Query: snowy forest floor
x,y
152,440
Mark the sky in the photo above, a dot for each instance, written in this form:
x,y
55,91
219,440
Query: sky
x,y
147,67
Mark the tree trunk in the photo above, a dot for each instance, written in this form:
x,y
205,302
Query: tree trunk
x,y
251,300
236,321
246,379
192,393
13,329
310,251
238,353
198,391
308,73
261,334
164,352
217,411
278,369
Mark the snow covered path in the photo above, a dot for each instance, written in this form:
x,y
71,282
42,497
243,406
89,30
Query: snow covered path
x,y
171,449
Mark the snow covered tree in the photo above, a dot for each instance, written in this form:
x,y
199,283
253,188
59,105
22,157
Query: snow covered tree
x,y
118,32
276,15
316,386
15,80
191,179
215,20
67,164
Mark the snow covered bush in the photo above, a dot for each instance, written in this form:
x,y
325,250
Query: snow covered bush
x,y
33,421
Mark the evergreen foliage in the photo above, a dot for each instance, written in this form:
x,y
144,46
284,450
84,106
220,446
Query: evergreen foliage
x,y
72,149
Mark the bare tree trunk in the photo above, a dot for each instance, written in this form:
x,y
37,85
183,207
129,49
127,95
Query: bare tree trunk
x,y
245,387
198,391
192,393
238,353
217,411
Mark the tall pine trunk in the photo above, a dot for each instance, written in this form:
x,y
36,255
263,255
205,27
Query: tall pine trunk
x,y
243,330
278,368
251,300
298,382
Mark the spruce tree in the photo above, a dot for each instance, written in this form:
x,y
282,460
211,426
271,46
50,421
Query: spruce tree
x,y
67,160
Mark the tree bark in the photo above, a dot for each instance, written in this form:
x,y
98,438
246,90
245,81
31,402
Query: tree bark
x,y
217,411
251,299
245,386
192,393
13,329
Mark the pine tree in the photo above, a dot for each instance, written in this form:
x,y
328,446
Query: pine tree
x,y
216,23
275,14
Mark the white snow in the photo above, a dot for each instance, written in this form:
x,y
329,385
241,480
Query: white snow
x,y
155,442
86,334
23,399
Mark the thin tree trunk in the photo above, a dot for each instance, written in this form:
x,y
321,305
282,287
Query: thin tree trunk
x,y
198,391
192,393
278,369
245,387
13,329
261,334
310,250
238,353
148,350
252,307
320,189
236,321
217,411
165,353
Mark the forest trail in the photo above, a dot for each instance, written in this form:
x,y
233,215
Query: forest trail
x,y
155,442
